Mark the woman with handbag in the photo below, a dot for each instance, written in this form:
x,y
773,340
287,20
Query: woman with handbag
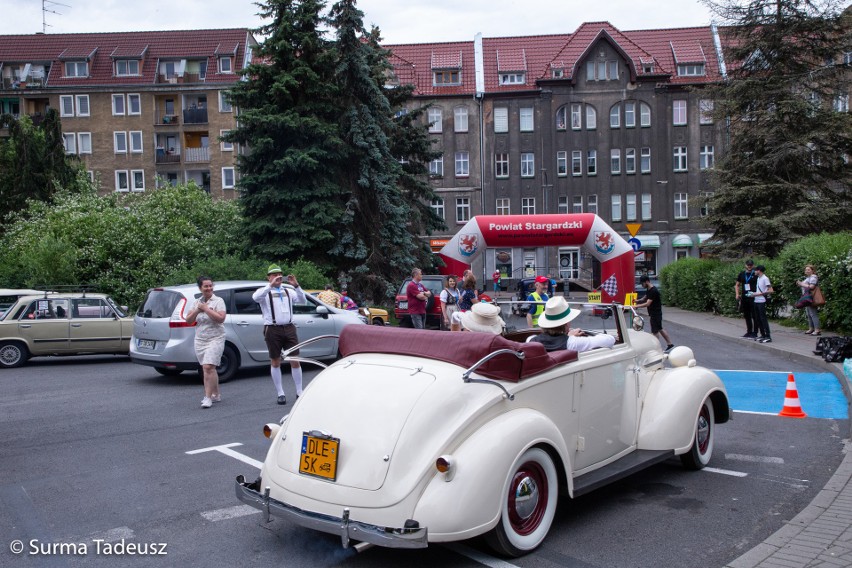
x,y
809,284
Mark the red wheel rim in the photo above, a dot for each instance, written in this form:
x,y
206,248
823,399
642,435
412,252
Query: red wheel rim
x,y
527,498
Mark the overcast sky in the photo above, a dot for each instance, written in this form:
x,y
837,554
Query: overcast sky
x,y
401,21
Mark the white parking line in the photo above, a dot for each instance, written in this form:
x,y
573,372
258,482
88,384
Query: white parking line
x,y
477,556
230,513
725,472
754,459
226,449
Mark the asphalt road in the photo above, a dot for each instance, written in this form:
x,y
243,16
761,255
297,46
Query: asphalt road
x,y
95,454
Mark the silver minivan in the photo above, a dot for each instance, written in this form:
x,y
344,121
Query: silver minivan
x,y
162,339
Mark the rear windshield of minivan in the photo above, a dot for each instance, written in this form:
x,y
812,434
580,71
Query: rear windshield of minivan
x,y
159,304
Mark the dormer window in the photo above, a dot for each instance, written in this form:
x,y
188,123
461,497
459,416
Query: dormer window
x,y
225,65
76,68
647,67
446,68
557,73
690,69
125,67
446,77
512,78
602,70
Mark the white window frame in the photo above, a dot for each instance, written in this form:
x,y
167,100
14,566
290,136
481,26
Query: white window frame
x,y
576,116
76,65
501,119
630,207
577,204
133,176
528,206
460,119
645,160
707,158
690,70
705,206
225,146
592,203
630,160
646,207
119,187
226,67
562,118
69,141
562,163
83,108
501,165
462,161
437,206
562,205
592,163
681,206
503,206
615,161
679,159
134,139
119,142
527,164
66,105
615,116
226,173
527,122
576,163
591,117
116,111
705,111
224,105
841,103
462,209
84,142
436,120
644,115
134,100
518,78
679,112
436,167
127,64
615,208
629,114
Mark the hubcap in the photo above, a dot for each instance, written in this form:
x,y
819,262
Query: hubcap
x,y
9,355
527,498
703,430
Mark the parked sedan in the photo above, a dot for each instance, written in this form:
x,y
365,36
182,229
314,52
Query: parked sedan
x,y
417,437
375,316
50,323
164,340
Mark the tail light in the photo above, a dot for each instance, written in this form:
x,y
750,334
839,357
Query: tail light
x,y
177,319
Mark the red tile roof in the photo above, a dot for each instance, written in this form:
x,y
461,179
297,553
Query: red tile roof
x,y
102,48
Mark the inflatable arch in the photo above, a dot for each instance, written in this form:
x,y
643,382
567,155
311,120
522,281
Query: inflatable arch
x,y
584,229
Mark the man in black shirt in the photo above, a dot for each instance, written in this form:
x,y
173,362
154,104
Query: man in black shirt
x,y
654,303
747,282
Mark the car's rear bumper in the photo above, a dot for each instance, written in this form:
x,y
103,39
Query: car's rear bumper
x,y
183,366
347,529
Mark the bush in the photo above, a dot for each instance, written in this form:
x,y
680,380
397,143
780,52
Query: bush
x,y
235,268
685,283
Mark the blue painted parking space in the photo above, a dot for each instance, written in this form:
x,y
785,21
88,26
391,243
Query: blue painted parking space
x,y
820,394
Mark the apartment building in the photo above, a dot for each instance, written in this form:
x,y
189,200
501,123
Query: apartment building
x,y
599,121
140,109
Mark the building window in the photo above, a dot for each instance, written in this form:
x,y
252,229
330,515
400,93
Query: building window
x,y
577,207
602,70
561,118
631,206
436,167
69,140
645,160
82,105
120,142
591,118
526,115
615,116
690,69
501,119
118,105
512,78
646,206
630,160
84,142
562,163
557,73
562,205
122,181
503,206
592,202
437,206
706,160
462,209
629,115
436,119
228,178
136,141
462,164
527,164
138,179
528,206
576,163
460,119
705,111
680,158
66,105
592,163
615,162
134,104
446,78
616,208
679,113
124,67
224,103
576,116
225,65
681,210
76,69
226,146
501,165
706,196
644,115
841,103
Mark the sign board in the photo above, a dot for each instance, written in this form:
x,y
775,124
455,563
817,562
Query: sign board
x,y
630,299
635,243
639,256
594,298
633,228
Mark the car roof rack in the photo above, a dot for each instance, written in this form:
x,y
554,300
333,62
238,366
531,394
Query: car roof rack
x,y
66,288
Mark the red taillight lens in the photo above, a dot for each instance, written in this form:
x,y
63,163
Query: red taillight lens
x,y
177,319
442,464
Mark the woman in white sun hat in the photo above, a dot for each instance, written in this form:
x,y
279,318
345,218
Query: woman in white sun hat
x,y
483,317
556,333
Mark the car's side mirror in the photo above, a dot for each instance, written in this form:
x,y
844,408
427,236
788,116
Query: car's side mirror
x,y
323,311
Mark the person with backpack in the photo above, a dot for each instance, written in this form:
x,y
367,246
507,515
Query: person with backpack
x,y
450,296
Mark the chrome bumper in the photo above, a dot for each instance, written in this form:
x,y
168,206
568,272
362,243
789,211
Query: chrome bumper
x,y
389,537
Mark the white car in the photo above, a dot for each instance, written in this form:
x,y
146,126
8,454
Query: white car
x,y
418,436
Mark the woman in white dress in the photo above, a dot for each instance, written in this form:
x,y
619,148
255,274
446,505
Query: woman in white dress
x,y
208,314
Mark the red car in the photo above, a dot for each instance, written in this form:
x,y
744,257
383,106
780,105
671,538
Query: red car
x,y
434,315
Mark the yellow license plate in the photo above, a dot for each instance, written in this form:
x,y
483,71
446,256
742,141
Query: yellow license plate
x,y
319,456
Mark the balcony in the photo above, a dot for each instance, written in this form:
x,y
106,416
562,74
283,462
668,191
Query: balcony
x,y
195,116
196,155
30,83
180,79
164,119
168,155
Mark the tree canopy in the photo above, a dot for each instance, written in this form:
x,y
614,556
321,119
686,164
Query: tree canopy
x,y
785,173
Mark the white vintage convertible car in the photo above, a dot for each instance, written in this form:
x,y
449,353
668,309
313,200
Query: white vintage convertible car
x,y
415,437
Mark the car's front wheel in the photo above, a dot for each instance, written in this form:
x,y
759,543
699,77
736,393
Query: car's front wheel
x,y
528,505
229,364
13,354
378,321
701,451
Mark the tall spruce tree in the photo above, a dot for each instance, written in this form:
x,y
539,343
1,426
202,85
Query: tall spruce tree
x,y
785,173
384,212
287,123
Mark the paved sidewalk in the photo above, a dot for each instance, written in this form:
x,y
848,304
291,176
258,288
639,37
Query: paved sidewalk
x,y
821,535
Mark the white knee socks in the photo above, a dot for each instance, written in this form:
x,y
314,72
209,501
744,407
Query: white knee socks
x,y
276,379
297,378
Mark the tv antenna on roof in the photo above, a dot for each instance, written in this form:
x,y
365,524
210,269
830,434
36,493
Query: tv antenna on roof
x,y
46,6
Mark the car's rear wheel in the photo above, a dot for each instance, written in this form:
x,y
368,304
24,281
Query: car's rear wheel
x,y
13,354
168,372
378,321
528,505
701,451
229,364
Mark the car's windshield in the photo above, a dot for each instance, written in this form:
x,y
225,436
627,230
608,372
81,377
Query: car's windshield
x,y
592,317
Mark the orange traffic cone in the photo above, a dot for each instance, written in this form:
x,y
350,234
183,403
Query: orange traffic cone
x,y
792,408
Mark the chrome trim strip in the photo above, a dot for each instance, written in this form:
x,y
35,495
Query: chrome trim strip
x,y
343,526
